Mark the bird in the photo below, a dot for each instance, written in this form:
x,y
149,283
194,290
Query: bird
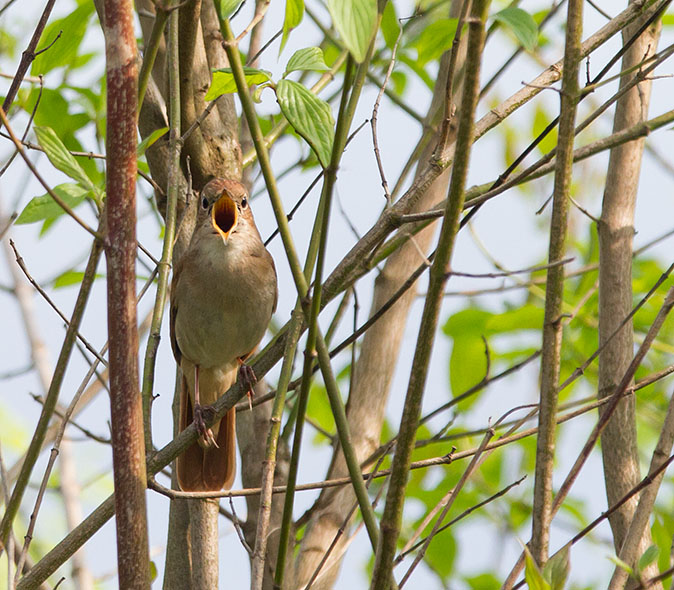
x,y
223,294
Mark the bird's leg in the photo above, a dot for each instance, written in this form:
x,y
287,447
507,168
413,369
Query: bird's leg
x,y
201,414
248,380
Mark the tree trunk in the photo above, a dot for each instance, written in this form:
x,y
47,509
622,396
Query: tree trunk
x,y
616,231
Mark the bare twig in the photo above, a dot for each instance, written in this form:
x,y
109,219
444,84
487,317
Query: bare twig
x,y
43,293
375,114
28,55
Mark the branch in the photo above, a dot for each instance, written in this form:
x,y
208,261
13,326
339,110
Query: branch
x,y
554,290
382,578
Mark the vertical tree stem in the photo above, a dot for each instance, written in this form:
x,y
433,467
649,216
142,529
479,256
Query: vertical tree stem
x,y
120,246
267,481
169,229
620,454
382,578
552,326
150,55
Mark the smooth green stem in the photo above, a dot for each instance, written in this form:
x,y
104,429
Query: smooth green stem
x,y
263,156
150,53
267,482
169,230
382,578
298,275
315,251
554,290
347,108
52,394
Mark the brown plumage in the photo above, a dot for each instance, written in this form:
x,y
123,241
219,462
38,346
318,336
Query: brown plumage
x,y
222,298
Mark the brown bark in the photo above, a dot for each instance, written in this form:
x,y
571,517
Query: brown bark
x,y
120,250
212,146
616,231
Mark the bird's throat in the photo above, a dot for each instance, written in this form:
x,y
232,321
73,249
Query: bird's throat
x,y
224,216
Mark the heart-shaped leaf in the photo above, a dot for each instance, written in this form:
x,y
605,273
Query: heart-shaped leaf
x,y
310,116
309,58
355,20
223,81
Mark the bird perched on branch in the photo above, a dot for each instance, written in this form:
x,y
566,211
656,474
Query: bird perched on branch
x,y
223,295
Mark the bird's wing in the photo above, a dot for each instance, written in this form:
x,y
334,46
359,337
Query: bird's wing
x,y
172,319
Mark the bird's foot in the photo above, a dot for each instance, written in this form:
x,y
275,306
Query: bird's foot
x,y
201,415
248,380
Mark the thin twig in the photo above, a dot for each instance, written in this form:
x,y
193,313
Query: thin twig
x,y
43,293
28,55
375,114
260,11
28,126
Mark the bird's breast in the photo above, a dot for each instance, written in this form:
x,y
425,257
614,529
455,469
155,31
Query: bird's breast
x,y
223,306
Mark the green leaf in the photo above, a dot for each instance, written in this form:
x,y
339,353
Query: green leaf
x,y
467,365
310,116
61,158
556,570
418,69
441,555
69,278
223,81
390,27
532,574
150,139
487,581
355,20
648,557
309,58
541,121
435,39
621,564
64,50
318,408
44,207
226,8
293,17
521,23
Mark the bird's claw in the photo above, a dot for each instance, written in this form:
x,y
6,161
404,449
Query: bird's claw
x,y
248,380
201,414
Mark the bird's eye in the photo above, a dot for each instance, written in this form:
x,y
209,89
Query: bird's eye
x,y
204,203
244,203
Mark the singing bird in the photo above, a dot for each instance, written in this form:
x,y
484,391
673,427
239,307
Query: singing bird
x,y
223,295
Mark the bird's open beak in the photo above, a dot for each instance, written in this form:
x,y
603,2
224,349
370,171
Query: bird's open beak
x,y
224,216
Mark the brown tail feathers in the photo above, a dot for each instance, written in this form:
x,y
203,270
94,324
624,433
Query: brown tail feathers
x,y
207,469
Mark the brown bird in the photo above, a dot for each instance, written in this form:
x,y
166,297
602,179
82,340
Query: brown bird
x,y
223,295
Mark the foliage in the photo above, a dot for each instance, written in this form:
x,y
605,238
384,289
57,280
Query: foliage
x,y
487,333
